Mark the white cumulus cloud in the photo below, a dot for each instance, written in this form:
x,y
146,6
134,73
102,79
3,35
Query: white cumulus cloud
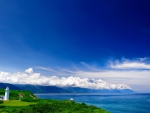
x,y
29,77
30,70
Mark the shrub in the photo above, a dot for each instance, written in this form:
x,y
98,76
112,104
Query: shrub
x,y
1,102
29,99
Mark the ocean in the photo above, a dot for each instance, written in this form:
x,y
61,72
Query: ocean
x,y
114,103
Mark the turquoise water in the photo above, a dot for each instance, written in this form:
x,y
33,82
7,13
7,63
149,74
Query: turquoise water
x,y
125,103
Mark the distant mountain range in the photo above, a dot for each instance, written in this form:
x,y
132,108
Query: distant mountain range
x,y
11,86
55,89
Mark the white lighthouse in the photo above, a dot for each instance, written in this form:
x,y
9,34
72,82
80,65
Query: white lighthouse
x,y
6,97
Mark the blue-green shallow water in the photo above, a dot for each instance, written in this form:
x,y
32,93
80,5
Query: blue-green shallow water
x,y
124,103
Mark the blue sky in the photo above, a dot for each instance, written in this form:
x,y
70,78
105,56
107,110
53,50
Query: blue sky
x,y
92,36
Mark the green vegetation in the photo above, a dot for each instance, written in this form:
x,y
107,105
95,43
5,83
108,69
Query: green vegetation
x,y
26,102
20,94
17,103
50,106
1,102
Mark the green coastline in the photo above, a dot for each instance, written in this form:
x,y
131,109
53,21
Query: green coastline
x,y
26,102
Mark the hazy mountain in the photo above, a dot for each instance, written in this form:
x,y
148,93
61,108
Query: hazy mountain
x,y
86,90
42,89
11,86
55,89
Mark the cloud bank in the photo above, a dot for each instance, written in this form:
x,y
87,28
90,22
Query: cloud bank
x,y
29,77
135,73
129,64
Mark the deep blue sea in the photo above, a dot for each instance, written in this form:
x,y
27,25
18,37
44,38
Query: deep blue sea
x,y
114,103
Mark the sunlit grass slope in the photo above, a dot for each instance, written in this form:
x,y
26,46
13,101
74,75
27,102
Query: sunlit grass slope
x,y
26,102
17,103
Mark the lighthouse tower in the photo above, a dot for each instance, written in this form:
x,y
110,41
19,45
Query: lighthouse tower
x,y
6,94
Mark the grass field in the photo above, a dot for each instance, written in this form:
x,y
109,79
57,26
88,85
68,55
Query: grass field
x,y
17,103
26,102
48,106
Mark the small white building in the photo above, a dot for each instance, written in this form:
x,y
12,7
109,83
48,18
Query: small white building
x,y
2,97
6,96
71,99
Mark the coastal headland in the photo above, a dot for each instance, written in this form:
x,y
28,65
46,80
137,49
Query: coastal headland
x,y
26,102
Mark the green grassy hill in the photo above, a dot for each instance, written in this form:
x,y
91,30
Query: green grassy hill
x,y
26,102
19,94
51,106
